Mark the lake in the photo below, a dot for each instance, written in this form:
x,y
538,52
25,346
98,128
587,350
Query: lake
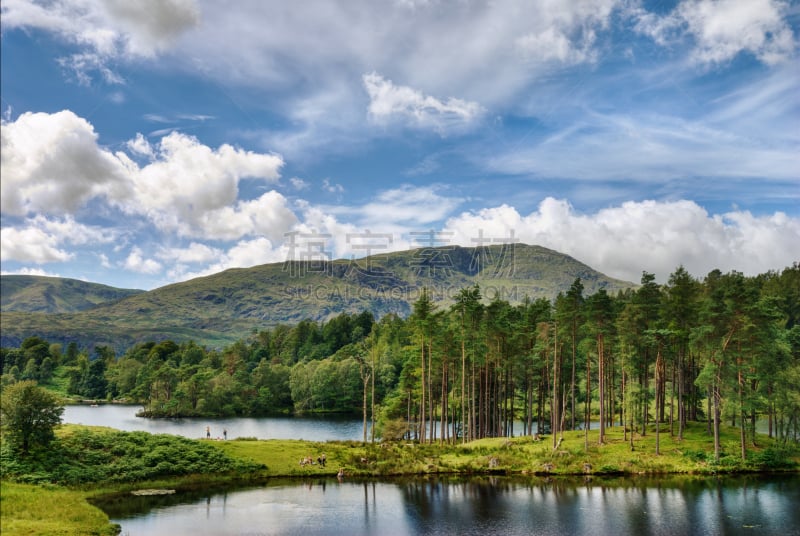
x,y
310,428
328,428
477,506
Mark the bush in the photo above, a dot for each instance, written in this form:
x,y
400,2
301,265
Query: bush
x,y
101,456
774,457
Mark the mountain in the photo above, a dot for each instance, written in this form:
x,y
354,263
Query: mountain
x,y
39,294
218,309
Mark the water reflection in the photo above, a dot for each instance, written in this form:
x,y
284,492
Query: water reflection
x,y
328,428
475,506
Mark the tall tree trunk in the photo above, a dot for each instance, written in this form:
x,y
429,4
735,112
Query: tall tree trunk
x,y
717,411
659,386
463,384
588,405
556,399
601,387
443,421
366,384
681,399
572,379
431,415
421,424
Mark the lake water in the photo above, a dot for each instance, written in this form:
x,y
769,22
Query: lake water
x,y
328,428
311,428
479,506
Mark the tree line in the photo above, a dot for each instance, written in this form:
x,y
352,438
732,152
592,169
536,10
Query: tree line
x,y
722,348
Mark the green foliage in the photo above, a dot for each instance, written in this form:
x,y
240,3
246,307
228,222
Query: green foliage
x,y
29,416
657,353
84,455
775,457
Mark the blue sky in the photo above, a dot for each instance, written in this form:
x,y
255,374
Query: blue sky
x,y
149,142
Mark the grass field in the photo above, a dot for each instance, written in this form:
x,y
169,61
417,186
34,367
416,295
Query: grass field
x,y
28,509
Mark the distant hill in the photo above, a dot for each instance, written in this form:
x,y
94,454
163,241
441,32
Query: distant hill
x,y
221,308
39,294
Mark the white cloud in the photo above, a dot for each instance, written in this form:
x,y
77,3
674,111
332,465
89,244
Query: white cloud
x,y
655,148
193,189
721,29
243,254
408,205
648,236
70,231
298,183
389,101
268,215
141,146
31,244
52,164
104,262
194,253
332,188
136,262
41,240
31,271
105,29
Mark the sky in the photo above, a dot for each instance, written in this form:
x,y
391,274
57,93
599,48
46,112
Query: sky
x,y
150,142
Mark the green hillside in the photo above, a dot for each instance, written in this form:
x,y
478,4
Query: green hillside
x,y
39,294
221,308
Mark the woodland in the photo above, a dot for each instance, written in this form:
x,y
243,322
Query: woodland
x,y
722,348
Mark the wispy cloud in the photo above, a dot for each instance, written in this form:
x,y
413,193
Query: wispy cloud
x,y
390,102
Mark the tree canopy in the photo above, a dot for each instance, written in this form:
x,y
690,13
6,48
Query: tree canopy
x,y
30,413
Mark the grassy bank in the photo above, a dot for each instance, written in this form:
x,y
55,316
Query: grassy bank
x,y
49,493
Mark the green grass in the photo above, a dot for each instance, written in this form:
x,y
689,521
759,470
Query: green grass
x,y
28,509
96,461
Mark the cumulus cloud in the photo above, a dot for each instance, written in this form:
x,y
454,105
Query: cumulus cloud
x,y
389,101
105,30
721,29
243,254
268,215
648,236
52,164
136,262
193,189
31,244
42,240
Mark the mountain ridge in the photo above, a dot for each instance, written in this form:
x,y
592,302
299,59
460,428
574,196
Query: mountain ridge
x,y
220,308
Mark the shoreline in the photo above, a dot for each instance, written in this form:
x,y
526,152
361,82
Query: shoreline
x,y
260,461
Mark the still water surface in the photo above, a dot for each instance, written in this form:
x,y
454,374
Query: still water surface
x,y
328,428
479,506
